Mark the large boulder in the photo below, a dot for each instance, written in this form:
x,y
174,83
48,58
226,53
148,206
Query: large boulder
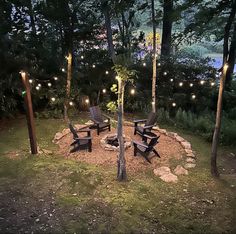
x,y
186,144
161,171
169,178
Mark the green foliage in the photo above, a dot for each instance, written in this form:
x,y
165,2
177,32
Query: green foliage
x,y
112,106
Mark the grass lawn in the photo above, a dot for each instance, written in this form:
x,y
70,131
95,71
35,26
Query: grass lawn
x,y
51,194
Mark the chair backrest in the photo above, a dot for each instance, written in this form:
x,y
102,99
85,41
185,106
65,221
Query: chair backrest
x,y
73,131
151,120
96,113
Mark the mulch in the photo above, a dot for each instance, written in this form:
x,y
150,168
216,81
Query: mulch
x,y
168,148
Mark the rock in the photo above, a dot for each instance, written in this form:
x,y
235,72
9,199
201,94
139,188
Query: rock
x,y
172,134
163,131
179,170
45,151
90,122
188,151
191,155
65,131
190,160
58,136
169,177
186,145
161,171
179,138
189,165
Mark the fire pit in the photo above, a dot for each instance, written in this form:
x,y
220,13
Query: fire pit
x,y
110,142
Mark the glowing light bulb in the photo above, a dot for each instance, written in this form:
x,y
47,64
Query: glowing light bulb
x,y
171,80
71,103
94,66
55,78
107,72
38,88
49,84
82,57
87,101
165,73
132,91
39,85
53,99
174,104
191,84
212,83
202,82
144,64
153,103
180,84
63,70
31,81
104,90
159,64
193,96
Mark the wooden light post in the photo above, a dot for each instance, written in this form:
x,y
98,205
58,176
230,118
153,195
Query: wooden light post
x,y
29,112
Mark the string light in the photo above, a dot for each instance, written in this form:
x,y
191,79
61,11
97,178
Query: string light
x,y
191,84
71,103
87,101
159,64
193,96
38,88
94,66
171,80
153,103
104,90
31,81
180,84
212,83
55,78
66,57
53,99
107,72
132,91
82,57
202,82
144,64
49,84
63,70
165,73
39,85
174,104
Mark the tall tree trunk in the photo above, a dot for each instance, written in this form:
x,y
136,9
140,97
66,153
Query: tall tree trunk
x,y
167,28
106,13
154,62
214,169
68,85
121,173
231,60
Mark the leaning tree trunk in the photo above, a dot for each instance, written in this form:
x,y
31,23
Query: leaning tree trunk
x,y
68,85
121,173
167,28
154,63
214,169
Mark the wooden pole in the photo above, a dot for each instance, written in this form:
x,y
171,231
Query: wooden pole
x,y
29,112
216,135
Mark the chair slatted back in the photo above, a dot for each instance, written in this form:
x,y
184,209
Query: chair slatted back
x,y
152,143
96,113
73,131
151,120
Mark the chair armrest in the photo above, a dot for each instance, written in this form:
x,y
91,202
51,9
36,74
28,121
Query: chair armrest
x,y
107,118
150,137
141,144
139,120
83,138
147,127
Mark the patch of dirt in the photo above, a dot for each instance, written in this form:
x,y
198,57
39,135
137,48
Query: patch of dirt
x,y
168,148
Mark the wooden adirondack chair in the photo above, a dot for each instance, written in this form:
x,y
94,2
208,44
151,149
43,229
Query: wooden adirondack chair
x,y
99,119
80,142
147,146
149,123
